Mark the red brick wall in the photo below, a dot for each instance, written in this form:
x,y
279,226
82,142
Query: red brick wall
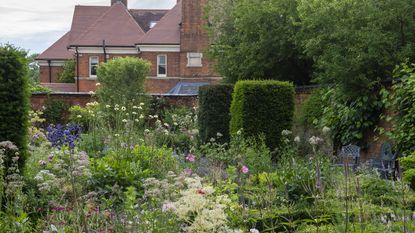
x,y
44,73
173,61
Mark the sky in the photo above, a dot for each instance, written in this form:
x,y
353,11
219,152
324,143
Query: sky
x,y
34,25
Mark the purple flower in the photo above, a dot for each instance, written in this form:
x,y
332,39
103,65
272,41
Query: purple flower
x,y
244,169
42,163
191,157
188,171
60,135
50,157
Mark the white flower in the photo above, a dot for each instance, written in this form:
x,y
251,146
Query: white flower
x,y
297,139
134,107
134,113
219,135
146,131
165,124
286,132
239,132
315,140
79,116
98,84
116,135
253,230
326,130
123,108
116,109
141,116
125,120
156,116
92,93
141,104
108,106
136,120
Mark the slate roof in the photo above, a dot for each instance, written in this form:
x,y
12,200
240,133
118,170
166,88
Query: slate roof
x,y
118,26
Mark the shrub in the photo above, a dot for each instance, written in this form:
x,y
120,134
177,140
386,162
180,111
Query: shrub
x,y
129,167
311,110
122,81
68,73
262,107
55,111
214,116
408,164
14,98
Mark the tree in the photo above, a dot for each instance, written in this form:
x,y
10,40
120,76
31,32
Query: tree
x,y
256,39
14,99
68,73
34,72
122,81
355,46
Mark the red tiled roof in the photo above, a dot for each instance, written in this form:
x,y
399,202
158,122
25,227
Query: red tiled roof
x,y
116,26
167,30
83,18
58,51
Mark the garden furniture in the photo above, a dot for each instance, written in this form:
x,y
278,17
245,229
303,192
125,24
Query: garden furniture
x,y
350,156
386,162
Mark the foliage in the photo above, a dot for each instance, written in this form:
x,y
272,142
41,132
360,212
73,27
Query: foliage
x,y
400,99
254,39
349,119
14,99
356,43
312,109
34,72
408,164
128,168
262,107
214,115
55,111
83,116
122,81
68,73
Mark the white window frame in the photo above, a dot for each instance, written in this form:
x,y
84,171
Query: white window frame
x,y
191,56
90,65
158,64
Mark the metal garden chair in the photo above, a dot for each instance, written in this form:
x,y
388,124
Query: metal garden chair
x,y
350,156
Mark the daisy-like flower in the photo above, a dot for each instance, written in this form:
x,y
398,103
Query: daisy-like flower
x,y
123,108
125,120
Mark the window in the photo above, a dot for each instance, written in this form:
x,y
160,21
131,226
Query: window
x,y
93,64
162,66
152,24
194,59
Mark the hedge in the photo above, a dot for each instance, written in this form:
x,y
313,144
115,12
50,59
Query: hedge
x,y
214,116
14,99
262,108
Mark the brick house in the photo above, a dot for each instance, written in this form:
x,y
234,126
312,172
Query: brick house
x,y
173,41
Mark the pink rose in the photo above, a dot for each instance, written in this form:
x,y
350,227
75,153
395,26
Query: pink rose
x,y
244,169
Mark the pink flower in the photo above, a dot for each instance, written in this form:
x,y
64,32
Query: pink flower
x,y
244,169
188,171
191,157
42,163
167,206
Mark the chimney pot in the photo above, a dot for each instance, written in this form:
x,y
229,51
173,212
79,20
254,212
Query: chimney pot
x,y
125,2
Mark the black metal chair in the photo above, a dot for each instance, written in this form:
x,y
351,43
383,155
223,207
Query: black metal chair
x,y
350,156
386,163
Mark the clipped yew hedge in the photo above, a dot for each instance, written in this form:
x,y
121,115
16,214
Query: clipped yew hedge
x,y
262,107
14,99
214,116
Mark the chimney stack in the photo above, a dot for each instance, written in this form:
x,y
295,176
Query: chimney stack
x,y
125,2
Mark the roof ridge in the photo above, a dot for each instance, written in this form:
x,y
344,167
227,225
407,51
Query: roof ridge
x,y
90,27
98,20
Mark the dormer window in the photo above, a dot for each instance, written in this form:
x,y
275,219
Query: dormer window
x,y
152,24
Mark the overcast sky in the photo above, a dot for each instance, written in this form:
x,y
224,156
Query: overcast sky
x,y
35,24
